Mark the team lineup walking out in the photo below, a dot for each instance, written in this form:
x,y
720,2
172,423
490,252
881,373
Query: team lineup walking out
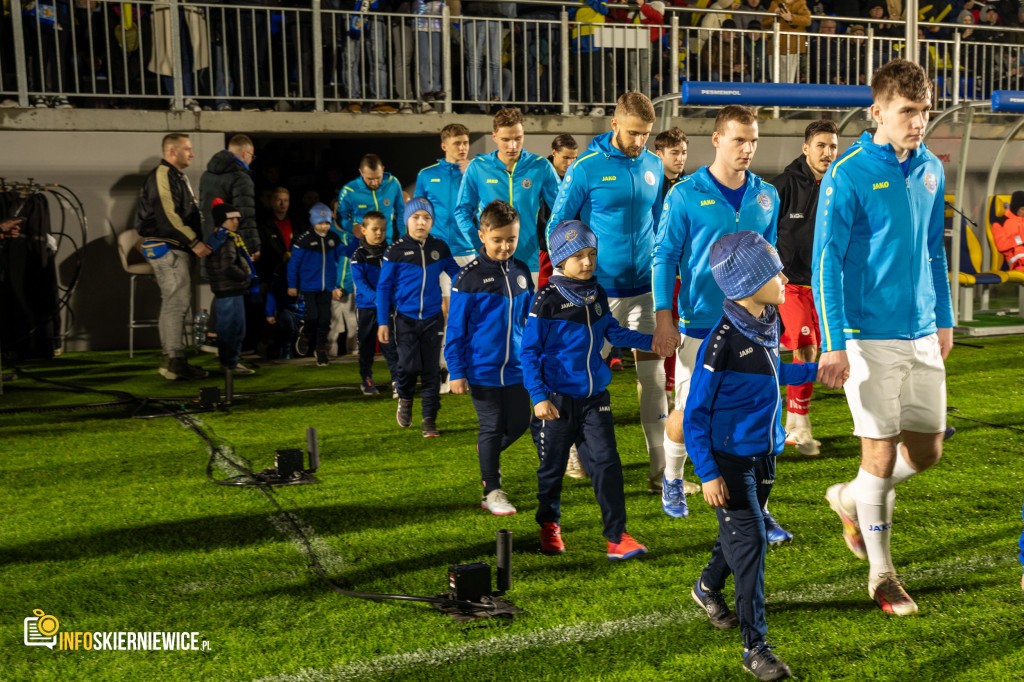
x,y
714,271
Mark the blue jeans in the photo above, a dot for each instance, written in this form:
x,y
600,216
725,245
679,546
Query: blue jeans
x,y
188,76
483,47
741,544
429,51
587,422
368,51
230,328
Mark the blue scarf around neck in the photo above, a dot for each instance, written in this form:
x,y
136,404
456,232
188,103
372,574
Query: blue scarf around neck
x,y
578,291
764,330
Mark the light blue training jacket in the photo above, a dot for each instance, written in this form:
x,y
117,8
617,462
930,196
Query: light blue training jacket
x,y
879,265
619,198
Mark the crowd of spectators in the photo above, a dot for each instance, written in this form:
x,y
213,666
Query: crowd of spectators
x,y
384,56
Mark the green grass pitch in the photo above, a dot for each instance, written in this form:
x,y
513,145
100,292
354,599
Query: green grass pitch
x,y
110,525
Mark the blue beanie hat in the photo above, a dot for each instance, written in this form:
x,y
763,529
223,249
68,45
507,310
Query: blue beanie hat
x,y
320,213
568,237
742,263
417,204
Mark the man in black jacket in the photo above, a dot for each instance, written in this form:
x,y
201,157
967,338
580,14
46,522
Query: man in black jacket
x,y
168,219
228,177
798,196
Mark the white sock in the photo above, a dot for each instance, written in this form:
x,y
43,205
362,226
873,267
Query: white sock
x,y
875,501
902,470
675,458
650,388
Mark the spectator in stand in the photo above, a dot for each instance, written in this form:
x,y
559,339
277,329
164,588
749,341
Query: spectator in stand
x,y
428,50
878,10
245,37
482,38
195,50
755,51
975,7
723,58
539,40
366,53
1017,21
939,11
596,68
1009,235
653,15
403,46
46,28
828,57
794,17
713,21
990,18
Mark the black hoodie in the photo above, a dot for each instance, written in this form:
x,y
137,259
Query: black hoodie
x,y
798,197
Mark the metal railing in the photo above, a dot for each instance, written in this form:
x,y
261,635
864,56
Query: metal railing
x,y
194,54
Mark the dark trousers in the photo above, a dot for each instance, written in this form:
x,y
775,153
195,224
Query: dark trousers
x,y
366,326
230,328
587,422
741,544
317,320
503,415
419,355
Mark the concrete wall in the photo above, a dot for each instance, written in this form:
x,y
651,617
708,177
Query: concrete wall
x,y
105,170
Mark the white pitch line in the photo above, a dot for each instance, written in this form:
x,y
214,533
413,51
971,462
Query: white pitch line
x,y
586,632
330,560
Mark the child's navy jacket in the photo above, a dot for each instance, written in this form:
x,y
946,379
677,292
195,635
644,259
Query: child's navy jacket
x,y
734,405
489,306
314,262
562,345
366,274
411,277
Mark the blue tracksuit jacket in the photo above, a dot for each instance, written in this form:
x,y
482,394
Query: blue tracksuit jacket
x,y
440,183
366,274
620,199
879,266
313,265
489,305
734,405
411,278
356,199
532,178
694,216
562,345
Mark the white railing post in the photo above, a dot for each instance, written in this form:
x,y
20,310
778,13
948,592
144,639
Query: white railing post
x,y
176,74
446,57
318,55
563,57
776,51
19,57
674,67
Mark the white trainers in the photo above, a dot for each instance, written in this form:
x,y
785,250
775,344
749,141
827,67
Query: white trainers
x,y
574,469
497,503
848,515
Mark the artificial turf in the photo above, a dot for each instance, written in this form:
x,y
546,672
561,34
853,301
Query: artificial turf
x,y
111,525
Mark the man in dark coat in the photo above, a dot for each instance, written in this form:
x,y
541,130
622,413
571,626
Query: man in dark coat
x,y
228,177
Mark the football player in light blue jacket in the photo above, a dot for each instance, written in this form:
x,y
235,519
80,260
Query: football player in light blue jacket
x,y
881,289
511,174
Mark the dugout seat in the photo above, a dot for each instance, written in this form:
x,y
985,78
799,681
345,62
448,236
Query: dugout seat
x,y
997,207
971,276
